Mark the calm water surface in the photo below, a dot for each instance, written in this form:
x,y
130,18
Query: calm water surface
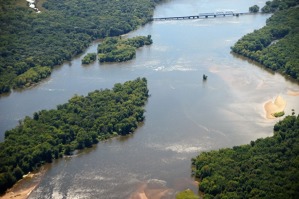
x,y
184,115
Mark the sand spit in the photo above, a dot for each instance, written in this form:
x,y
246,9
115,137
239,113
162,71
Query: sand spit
x,y
271,107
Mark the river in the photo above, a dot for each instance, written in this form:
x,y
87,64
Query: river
x,y
184,115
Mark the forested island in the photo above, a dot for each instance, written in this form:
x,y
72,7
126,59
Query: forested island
x,y
30,40
80,123
119,50
276,45
89,58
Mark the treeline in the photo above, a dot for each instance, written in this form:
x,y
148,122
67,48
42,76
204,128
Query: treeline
x,y
276,45
62,30
276,5
80,123
89,58
119,50
265,168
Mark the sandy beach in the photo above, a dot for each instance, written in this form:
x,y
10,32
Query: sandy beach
x,y
20,194
271,107
23,188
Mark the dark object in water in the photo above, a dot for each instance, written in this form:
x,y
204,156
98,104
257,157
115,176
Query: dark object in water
x,y
204,77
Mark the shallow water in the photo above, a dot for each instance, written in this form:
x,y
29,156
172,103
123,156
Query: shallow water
x,y
184,115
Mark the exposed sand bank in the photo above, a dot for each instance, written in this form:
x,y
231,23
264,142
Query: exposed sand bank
x,y
293,93
152,189
271,107
20,194
158,189
23,188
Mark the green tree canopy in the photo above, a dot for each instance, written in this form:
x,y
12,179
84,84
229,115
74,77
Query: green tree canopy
x,y
276,45
63,29
78,124
265,168
119,50
254,9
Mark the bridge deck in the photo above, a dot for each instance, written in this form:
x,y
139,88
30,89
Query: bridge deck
x,y
203,15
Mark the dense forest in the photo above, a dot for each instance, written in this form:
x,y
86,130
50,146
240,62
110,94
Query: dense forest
x,y
29,39
276,45
81,122
119,50
276,5
265,168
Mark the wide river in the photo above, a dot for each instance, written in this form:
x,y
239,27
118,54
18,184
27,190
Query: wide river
x,y
184,115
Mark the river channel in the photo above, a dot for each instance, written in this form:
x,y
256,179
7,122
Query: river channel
x,y
184,115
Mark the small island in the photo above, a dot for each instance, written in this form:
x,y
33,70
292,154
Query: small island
x,y
114,49
89,58
275,108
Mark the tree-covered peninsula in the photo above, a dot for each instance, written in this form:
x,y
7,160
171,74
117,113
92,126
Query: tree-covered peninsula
x,y
30,40
80,123
265,168
119,49
276,45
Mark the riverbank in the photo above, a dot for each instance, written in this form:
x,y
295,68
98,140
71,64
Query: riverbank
x,y
20,194
23,188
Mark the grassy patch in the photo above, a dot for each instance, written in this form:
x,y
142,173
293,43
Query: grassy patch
x,y
187,194
278,114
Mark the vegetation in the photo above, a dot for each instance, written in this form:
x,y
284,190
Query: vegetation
x,y
279,114
276,45
32,76
187,194
265,168
90,57
119,50
29,39
254,9
276,5
77,124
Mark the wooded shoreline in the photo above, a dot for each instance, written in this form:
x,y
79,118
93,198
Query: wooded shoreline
x,y
30,41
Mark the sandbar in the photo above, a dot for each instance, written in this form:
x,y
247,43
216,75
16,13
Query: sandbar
x,y
293,93
271,107
147,192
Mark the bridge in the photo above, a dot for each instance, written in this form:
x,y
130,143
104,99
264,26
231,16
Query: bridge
x,y
203,15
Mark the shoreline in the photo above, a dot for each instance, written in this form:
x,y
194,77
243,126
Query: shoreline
x,y
24,187
271,107
20,194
